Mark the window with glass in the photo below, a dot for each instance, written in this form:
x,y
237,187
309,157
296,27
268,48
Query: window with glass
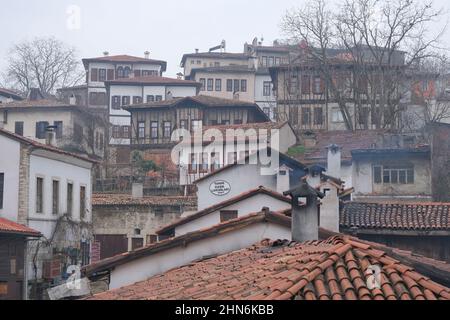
x,y
167,126
115,102
318,85
150,98
218,84
158,98
203,84
193,164
236,85
196,125
69,199
184,124
2,188
266,88
102,75
154,129
126,132
204,163
336,115
141,129
306,116
210,84
125,100
318,116
306,85
229,85
393,174
243,85
55,197
39,195
82,202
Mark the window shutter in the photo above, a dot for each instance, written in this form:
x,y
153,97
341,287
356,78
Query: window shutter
x,y
322,85
94,74
110,75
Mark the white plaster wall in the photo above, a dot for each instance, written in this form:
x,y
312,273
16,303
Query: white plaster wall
x,y
50,170
182,91
30,117
209,62
244,207
241,179
146,267
9,165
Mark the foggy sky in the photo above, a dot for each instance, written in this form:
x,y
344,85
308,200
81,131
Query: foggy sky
x,y
167,28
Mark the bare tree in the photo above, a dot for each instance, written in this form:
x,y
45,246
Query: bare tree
x,y
378,39
44,63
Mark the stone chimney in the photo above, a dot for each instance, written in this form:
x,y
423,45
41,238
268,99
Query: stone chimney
x,y
137,190
305,212
334,161
196,50
105,53
283,178
147,54
50,136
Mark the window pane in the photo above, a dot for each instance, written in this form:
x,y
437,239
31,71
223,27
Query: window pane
x,y
394,176
386,176
410,176
377,174
55,197
39,194
402,176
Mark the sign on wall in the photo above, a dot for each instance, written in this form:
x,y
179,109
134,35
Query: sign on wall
x,y
220,188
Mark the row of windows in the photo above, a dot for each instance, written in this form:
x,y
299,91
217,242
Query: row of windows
x,y
318,84
56,198
119,101
211,64
393,174
268,61
41,128
204,163
121,132
104,74
232,85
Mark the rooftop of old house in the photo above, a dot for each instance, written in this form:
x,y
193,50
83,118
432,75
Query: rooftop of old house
x,y
338,268
10,94
153,80
313,149
123,58
218,206
14,228
46,147
423,217
114,199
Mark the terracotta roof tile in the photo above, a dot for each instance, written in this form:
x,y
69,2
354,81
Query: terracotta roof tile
x,y
396,216
8,226
274,272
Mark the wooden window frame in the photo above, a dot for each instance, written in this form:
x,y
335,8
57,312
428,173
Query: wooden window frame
x,y
227,215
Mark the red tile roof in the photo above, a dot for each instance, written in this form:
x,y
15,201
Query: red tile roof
x,y
123,58
10,227
429,216
154,81
333,269
218,206
112,199
205,101
185,239
38,145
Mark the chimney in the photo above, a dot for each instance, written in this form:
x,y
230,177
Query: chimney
x,y
72,100
169,95
137,190
147,54
35,94
283,178
334,161
50,136
196,50
329,209
105,53
305,212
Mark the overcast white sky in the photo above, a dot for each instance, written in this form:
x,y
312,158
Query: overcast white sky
x,y
167,28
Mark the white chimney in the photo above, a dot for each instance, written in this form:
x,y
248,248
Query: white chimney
x,y
72,100
329,209
283,178
334,161
196,50
305,212
50,136
147,54
137,190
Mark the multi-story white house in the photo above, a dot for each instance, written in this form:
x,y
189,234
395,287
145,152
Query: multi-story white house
x,y
49,190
